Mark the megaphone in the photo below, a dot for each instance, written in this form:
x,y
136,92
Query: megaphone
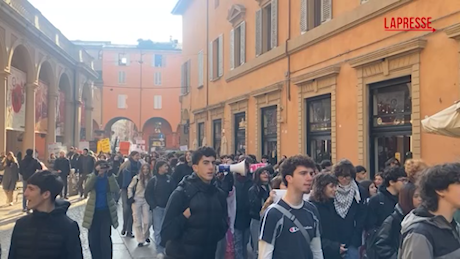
x,y
226,168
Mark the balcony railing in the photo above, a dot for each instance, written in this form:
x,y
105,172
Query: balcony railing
x,y
34,17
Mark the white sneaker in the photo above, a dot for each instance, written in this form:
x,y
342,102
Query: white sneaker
x,y
160,256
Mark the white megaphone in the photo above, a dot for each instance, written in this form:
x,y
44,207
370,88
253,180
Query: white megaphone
x,y
226,168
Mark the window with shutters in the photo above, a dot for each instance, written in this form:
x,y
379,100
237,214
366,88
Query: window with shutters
x,y
157,78
238,46
122,101
200,68
216,58
267,27
157,102
121,77
185,78
158,61
313,13
123,59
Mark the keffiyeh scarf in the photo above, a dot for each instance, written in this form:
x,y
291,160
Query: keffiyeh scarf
x,y
344,198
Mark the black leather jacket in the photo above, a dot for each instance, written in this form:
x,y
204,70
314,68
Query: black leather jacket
x,y
389,235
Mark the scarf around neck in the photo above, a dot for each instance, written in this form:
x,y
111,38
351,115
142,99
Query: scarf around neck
x,y
344,198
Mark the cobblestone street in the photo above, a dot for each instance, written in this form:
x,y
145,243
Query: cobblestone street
x,y
123,248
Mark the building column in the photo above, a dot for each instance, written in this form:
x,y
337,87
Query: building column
x,y
3,92
89,123
77,123
51,128
68,126
29,133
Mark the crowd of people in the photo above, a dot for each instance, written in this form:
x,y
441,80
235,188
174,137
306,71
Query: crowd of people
x,y
294,209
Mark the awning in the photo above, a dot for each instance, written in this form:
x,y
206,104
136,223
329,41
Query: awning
x,y
445,122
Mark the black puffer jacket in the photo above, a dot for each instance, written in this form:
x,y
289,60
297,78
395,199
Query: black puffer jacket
x,y
197,236
389,235
46,236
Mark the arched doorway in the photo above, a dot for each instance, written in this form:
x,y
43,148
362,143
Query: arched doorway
x,y
64,114
21,73
121,129
45,88
158,134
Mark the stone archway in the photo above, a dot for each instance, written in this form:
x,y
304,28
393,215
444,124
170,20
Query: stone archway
x,y
121,129
158,133
20,118
65,111
45,108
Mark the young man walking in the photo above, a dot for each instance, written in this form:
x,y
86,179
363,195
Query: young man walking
x,y
430,232
196,214
290,229
47,233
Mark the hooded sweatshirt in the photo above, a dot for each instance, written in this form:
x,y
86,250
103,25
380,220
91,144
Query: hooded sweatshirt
x,y
42,235
426,236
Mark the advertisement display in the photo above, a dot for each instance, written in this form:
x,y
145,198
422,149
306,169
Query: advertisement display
x,y
60,113
16,100
41,107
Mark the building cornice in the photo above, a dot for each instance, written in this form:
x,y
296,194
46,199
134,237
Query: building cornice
x,y
400,48
237,99
180,7
321,73
269,89
453,31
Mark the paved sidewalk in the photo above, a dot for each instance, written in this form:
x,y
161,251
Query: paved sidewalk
x,y
123,248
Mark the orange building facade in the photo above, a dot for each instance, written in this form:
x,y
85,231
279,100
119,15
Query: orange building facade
x,y
318,77
141,85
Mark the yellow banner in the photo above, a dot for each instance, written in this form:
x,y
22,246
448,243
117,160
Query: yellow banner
x,y
103,146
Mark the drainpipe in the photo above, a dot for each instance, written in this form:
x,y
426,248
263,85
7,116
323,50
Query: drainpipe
x,y
288,72
207,46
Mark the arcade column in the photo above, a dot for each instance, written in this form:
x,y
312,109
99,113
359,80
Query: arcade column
x,y
77,123
29,133
51,127
3,92
89,123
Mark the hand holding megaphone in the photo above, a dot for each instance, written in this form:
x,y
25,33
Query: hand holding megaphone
x,y
226,168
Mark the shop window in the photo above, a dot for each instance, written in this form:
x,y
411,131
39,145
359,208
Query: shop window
x,y
319,128
217,135
269,133
240,133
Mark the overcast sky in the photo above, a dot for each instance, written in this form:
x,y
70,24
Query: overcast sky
x,y
118,21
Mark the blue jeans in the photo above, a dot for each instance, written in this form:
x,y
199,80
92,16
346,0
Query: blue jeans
x,y
352,253
158,217
241,243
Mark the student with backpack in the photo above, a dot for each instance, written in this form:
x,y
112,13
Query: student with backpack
x,y
157,194
290,228
196,213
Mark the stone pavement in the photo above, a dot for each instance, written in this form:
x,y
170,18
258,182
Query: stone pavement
x,y
123,248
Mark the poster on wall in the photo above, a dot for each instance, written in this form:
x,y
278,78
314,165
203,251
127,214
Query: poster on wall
x,y
60,114
16,100
41,107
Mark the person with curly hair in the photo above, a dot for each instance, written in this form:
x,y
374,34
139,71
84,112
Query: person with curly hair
x,y
414,168
349,208
430,231
322,195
